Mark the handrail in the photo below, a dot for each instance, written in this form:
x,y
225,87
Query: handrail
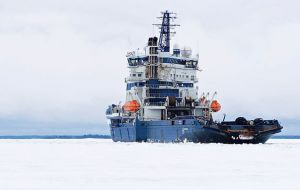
x,y
155,104
159,95
158,85
134,79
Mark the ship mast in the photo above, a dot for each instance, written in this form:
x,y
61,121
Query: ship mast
x,y
165,30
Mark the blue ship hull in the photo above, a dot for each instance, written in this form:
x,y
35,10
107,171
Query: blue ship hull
x,y
189,131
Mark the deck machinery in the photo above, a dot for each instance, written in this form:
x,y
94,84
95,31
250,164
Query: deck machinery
x,y
163,104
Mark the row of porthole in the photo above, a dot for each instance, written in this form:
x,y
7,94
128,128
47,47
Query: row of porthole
x,y
182,76
134,75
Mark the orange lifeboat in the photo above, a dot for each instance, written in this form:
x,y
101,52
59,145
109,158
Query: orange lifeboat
x,y
131,106
215,106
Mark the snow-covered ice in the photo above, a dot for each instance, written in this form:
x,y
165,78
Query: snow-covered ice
x,y
101,164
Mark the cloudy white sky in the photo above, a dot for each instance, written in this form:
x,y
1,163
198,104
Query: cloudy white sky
x,y
64,61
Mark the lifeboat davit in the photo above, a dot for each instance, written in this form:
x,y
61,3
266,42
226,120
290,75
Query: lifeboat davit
x,y
215,106
202,100
131,106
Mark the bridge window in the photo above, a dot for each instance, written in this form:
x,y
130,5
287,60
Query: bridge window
x,y
137,84
185,84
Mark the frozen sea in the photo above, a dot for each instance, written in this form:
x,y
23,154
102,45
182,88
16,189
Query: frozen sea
x,y
98,164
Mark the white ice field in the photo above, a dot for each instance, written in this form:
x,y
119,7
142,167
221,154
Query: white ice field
x,y
97,164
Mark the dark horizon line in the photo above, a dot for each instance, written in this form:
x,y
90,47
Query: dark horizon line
x,y
55,136
95,136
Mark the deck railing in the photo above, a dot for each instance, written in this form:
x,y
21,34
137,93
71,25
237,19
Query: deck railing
x,y
160,95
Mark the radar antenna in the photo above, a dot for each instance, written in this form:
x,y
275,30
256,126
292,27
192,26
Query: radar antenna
x,y
165,30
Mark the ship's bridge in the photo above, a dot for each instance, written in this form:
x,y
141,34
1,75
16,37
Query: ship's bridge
x,y
134,61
